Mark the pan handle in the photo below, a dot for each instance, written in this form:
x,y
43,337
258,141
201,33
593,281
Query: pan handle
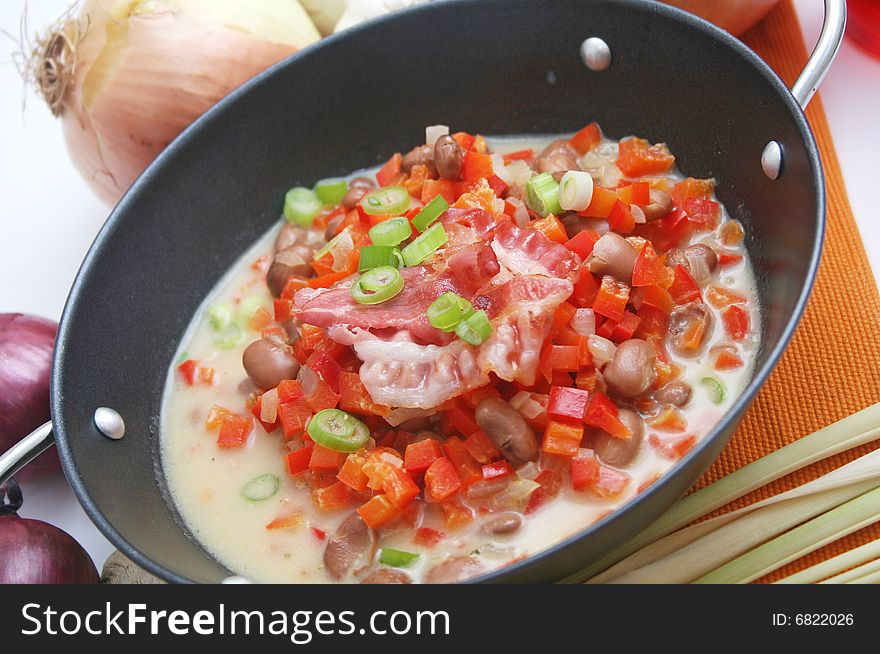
x,y
823,54
25,451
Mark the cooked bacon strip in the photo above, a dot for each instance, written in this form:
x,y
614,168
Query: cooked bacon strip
x,y
526,251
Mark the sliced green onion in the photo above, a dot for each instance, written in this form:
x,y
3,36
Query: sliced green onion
x,y
448,310
429,213
393,231
474,329
374,256
717,391
542,195
230,337
424,245
397,558
575,190
377,285
247,308
261,488
386,200
220,315
331,190
301,205
339,431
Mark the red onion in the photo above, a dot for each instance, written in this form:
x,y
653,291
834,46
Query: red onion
x,y
26,344
34,552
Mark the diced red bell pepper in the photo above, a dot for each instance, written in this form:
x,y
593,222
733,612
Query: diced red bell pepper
x,y
562,438
293,520
377,512
459,418
215,417
355,398
427,537
465,141
704,213
447,188
653,322
441,479
612,298
520,155
399,487
474,397
736,322
333,497
586,139
497,470
289,390
551,227
294,416
637,158
293,284
498,185
638,193
468,469
583,242
654,296
563,315
626,328
298,460
585,290
420,455
721,298
601,204
323,398
673,447
326,281
324,459
602,413
649,269
455,514
481,447
550,482
320,534
669,419
310,336
621,218
560,357
352,473
257,412
674,228
282,309
390,172
584,470
692,188
727,259
326,367
611,482
476,165
684,288
189,370
567,403
727,359
234,431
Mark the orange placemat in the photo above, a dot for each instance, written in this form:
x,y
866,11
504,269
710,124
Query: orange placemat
x,y
832,367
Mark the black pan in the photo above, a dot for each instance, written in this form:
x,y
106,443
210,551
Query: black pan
x,y
511,66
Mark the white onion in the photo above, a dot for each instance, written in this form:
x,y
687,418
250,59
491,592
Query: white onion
x,y
527,406
500,169
516,494
601,348
341,247
520,213
637,214
610,176
528,470
520,172
575,190
126,77
584,322
269,406
434,132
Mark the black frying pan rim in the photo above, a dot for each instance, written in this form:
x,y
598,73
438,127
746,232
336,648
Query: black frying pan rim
x,y
142,184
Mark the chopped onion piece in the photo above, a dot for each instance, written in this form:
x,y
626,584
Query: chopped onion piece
x,y
575,190
584,322
521,213
269,406
525,405
309,380
601,348
637,214
610,176
516,495
500,169
529,470
520,172
341,248
434,132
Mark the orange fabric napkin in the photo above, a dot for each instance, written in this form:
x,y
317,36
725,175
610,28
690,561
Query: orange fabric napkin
x,y
832,367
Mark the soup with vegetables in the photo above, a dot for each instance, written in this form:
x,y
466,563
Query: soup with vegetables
x,y
440,367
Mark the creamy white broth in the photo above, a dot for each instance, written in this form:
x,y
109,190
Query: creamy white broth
x,y
205,482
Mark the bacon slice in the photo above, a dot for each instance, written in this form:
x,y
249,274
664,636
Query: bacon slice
x,y
526,251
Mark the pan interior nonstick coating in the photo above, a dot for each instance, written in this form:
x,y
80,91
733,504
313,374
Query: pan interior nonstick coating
x,y
494,67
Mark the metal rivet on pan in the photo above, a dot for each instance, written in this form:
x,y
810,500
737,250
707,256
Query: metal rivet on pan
x,y
771,159
595,54
235,579
109,423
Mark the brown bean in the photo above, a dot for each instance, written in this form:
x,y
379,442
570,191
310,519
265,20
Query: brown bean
x,y
387,576
502,523
267,362
631,370
575,224
293,261
422,155
676,393
290,235
349,542
558,156
448,157
702,261
507,429
454,570
619,452
357,188
613,255
661,204
681,319
291,331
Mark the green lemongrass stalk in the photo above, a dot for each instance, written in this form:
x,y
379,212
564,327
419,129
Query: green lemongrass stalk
x,y
690,561
864,468
873,578
859,428
851,575
835,565
808,537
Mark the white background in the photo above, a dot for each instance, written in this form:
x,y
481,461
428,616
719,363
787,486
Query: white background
x,y
48,217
